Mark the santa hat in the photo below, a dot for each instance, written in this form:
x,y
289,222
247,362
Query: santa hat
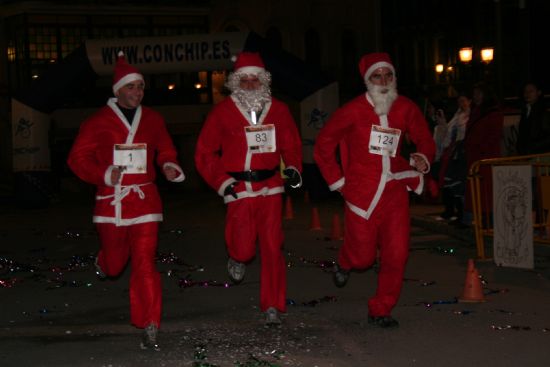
x,y
249,63
371,62
124,73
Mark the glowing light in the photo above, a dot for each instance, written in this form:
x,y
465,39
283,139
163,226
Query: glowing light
x,y
465,54
487,54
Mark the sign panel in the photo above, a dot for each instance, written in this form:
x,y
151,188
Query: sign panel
x,y
513,226
314,112
30,127
167,54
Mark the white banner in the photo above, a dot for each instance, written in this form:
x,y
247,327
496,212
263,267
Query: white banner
x,y
513,226
314,112
31,150
167,54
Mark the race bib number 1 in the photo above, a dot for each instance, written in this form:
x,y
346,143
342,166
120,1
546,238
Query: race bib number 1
x,y
261,139
133,157
384,140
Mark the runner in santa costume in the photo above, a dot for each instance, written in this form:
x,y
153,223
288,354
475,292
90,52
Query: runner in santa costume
x,y
374,179
238,153
116,150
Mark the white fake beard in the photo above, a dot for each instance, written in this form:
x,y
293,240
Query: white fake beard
x,y
382,96
250,100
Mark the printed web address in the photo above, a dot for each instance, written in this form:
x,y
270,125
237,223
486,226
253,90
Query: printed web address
x,y
169,52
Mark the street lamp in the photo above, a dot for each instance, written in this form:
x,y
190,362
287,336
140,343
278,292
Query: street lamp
x,y
439,68
465,54
487,54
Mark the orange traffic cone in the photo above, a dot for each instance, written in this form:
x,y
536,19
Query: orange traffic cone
x,y
315,222
336,233
473,291
289,213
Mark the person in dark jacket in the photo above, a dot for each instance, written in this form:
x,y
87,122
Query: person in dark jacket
x,y
534,124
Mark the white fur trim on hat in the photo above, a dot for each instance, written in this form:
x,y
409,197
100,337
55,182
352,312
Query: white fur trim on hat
x,y
377,65
250,70
125,80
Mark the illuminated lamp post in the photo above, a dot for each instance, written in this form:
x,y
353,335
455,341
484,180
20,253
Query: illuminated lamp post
x,y
465,54
487,54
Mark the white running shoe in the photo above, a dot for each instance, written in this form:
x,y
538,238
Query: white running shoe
x,y
149,339
272,317
236,270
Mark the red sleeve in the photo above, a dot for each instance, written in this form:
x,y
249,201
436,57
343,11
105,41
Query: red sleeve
x,y
327,142
166,152
290,143
208,151
420,133
84,158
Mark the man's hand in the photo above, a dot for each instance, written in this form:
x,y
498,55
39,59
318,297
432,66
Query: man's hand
x,y
116,175
230,190
171,173
420,163
293,179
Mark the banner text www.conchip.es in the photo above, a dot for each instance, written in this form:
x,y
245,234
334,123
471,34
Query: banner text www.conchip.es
x,y
170,54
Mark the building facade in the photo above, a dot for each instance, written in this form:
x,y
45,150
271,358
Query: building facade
x,y
328,35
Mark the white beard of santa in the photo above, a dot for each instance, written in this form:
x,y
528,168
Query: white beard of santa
x,y
382,96
250,100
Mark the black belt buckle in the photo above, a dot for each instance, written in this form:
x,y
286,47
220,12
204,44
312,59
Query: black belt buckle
x,y
253,175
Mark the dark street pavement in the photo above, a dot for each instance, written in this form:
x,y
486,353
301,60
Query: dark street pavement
x,y
55,312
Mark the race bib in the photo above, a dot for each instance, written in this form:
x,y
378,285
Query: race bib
x,y
261,139
133,157
384,140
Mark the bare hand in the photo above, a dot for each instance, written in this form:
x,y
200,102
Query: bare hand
x,y
171,173
116,175
419,163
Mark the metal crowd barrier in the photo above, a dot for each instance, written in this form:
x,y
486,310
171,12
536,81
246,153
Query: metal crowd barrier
x,y
483,225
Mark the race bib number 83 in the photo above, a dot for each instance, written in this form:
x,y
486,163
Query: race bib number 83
x,y
261,139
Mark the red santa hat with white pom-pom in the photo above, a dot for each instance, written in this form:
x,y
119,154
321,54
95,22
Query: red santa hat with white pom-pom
x,y
249,63
370,62
124,73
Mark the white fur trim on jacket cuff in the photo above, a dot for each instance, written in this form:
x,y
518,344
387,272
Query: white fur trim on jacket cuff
x,y
226,183
107,176
338,184
412,163
180,177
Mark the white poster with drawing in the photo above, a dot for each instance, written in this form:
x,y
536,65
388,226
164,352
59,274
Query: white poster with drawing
x,y
315,111
513,226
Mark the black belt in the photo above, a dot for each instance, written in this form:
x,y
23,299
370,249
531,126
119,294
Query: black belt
x,y
255,175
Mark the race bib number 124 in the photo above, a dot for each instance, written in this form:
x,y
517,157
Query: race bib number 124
x,y
384,140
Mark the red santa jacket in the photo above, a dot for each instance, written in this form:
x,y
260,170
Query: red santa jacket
x,y
135,199
363,175
222,147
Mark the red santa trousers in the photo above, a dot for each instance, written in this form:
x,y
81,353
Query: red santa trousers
x,y
259,218
386,231
139,243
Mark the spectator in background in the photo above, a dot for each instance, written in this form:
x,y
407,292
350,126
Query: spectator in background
x,y
483,140
453,172
534,124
